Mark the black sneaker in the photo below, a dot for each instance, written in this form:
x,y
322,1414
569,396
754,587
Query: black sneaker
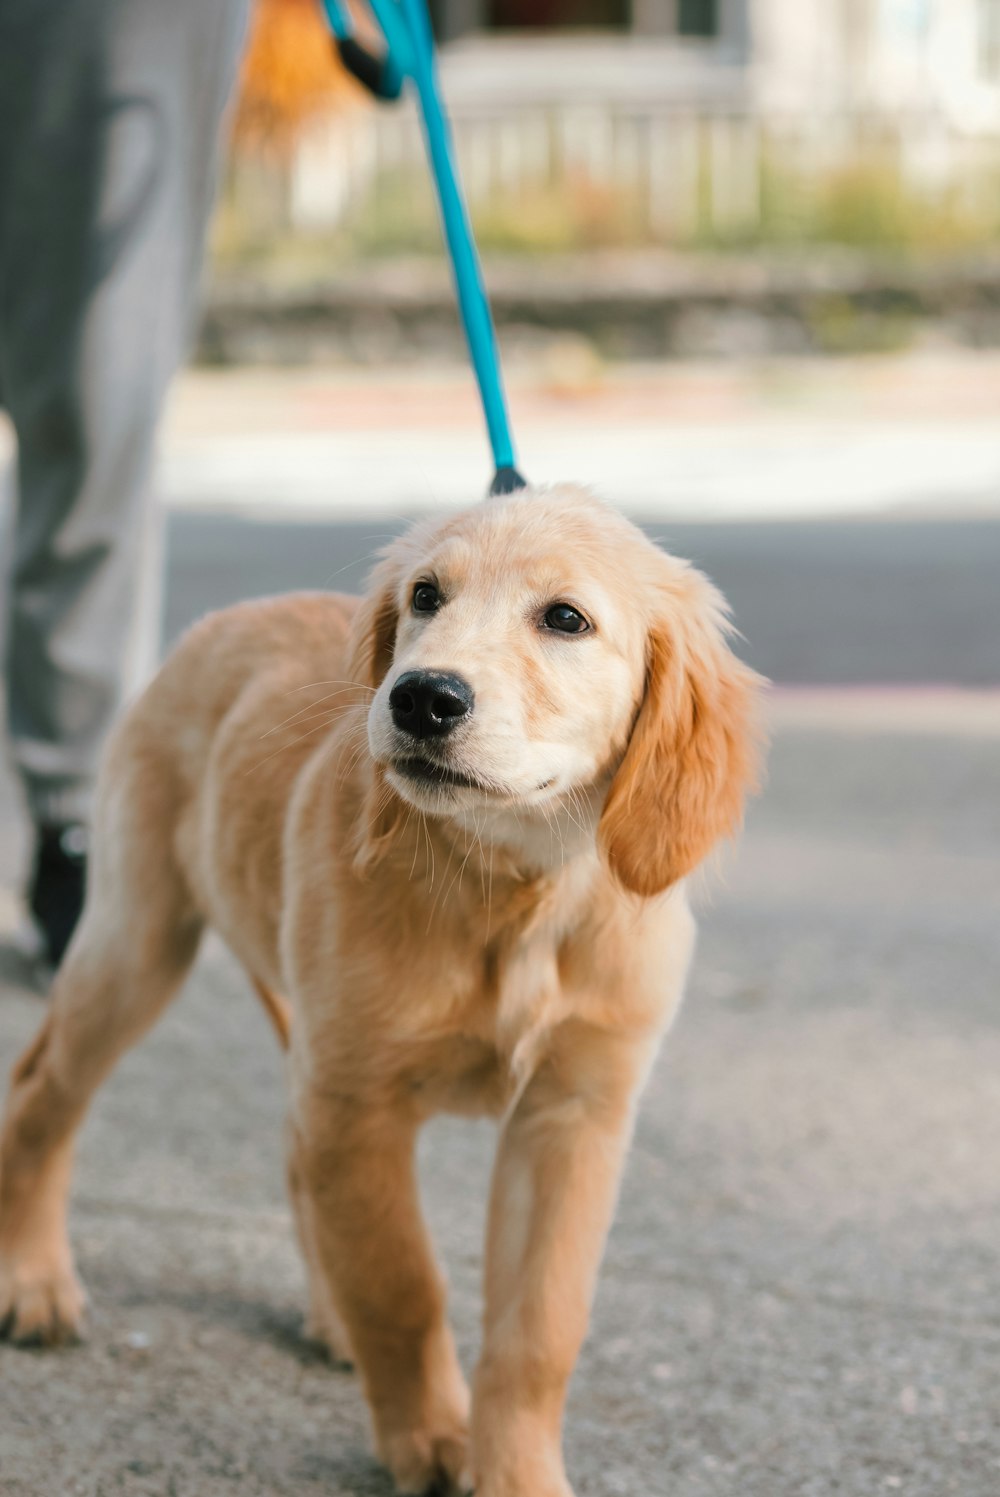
x,y
58,885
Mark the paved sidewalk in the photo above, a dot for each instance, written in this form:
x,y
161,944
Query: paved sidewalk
x,y
800,1294
780,439
915,435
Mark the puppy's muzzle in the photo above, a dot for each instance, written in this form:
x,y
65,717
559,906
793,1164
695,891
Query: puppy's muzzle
x,y
430,704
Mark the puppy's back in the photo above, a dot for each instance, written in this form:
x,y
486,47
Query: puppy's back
x,y
299,635
215,741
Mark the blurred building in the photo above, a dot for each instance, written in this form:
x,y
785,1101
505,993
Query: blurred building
x,y
692,109
861,56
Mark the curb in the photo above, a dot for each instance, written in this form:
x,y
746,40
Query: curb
x,y
625,307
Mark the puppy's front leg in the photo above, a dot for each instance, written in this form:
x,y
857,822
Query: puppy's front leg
x,y
357,1159
554,1190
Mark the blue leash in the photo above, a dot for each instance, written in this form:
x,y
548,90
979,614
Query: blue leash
x,y
410,54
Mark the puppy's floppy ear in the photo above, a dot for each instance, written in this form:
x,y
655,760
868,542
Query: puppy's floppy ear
x,y
693,753
373,632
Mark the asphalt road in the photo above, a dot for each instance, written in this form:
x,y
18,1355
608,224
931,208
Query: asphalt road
x,y
819,602
800,1293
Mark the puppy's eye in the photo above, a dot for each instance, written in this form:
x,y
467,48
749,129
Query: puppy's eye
x,y
566,619
426,598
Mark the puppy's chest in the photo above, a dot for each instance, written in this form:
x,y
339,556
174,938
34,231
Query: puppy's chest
x,y
488,1035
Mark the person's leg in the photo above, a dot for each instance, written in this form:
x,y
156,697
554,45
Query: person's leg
x,y
110,128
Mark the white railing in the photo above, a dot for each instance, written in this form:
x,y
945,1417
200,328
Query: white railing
x,y
688,171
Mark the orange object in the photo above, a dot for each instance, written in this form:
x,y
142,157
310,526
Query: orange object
x,y
291,75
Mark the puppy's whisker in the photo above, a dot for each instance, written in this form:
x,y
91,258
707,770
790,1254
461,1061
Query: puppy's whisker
x,y
355,739
416,844
361,562
286,746
334,681
482,862
446,890
489,900
302,718
351,762
472,847
574,801
553,821
469,851
303,711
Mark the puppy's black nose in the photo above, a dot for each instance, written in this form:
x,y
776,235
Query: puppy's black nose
x,y
428,704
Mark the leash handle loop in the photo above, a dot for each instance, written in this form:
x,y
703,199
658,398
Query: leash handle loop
x,y
377,72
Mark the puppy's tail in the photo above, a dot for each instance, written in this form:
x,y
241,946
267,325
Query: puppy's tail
x,y
278,1011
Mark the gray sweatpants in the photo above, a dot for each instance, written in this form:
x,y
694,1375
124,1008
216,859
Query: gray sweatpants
x,y
109,121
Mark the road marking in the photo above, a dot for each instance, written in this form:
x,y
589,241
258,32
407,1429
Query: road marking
x,y
939,711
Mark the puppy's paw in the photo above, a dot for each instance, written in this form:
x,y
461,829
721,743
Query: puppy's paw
x,y
554,1486
327,1332
323,1324
41,1302
424,1461
515,1468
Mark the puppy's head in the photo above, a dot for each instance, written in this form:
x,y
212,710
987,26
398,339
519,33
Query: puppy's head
x,y
538,652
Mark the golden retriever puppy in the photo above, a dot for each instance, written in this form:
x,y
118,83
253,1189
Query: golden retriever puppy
x,y
450,822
